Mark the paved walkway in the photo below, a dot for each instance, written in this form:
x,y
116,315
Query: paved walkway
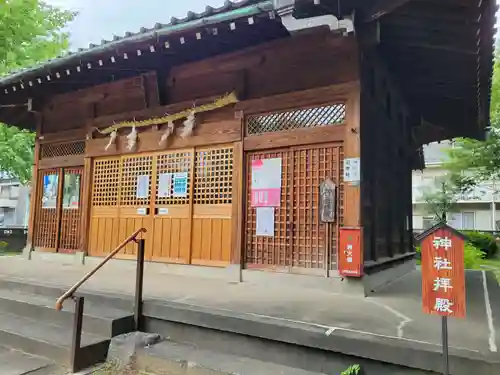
x,y
394,312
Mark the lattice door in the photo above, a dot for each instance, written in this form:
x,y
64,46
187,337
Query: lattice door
x,y
212,206
172,211
300,241
71,210
135,201
104,223
46,226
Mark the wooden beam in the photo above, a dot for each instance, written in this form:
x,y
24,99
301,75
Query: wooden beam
x,y
383,7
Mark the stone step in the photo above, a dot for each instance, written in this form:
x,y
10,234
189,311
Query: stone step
x,y
116,301
49,340
14,362
171,357
98,318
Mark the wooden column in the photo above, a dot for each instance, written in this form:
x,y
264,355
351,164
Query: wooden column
x,y
34,185
237,209
86,202
352,149
33,198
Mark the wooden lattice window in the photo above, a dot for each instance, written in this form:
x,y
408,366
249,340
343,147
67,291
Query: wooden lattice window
x,y
62,149
46,223
213,176
106,182
333,114
71,209
135,188
170,166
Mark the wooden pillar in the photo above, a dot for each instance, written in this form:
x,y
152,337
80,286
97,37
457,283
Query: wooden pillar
x,y
86,203
237,209
33,198
34,186
352,149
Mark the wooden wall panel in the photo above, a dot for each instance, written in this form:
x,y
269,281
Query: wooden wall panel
x,y
313,60
73,110
191,88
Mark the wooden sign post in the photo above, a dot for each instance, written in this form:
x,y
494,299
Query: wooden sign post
x,y
443,277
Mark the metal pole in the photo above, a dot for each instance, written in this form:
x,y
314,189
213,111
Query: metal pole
x,y
138,285
77,333
444,321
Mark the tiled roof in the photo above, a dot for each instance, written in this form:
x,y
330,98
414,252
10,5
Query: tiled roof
x,y
230,10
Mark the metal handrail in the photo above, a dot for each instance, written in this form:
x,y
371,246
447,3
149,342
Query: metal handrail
x,y
79,361
71,291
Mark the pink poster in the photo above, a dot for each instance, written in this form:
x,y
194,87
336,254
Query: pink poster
x,y
266,182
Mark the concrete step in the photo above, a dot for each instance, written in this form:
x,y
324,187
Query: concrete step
x,y
48,340
99,319
116,301
175,358
14,362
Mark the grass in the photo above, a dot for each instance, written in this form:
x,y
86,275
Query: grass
x,y
112,368
492,265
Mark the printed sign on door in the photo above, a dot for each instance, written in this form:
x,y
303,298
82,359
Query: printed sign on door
x,y
266,183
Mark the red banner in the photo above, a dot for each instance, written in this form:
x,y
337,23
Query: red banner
x,y
443,274
350,252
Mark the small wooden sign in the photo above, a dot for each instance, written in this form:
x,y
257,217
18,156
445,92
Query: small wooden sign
x,y
443,273
327,201
350,252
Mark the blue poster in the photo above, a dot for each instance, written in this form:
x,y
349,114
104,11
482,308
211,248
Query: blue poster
x,y
180,185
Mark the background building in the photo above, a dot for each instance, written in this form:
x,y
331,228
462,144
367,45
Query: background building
x,y
14,202
477,209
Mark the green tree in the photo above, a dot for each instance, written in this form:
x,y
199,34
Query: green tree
x,y
481,159
441,198
31,31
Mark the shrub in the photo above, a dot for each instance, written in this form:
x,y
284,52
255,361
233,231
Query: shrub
x,y
472,255
352,370
484,241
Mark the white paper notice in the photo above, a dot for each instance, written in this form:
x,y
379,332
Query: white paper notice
x,y
352,170
165,185
142,187
265,221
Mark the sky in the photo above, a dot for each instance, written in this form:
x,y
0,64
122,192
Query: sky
x,y
101,19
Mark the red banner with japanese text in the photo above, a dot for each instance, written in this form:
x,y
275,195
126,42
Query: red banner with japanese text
x,y
443,274
350,261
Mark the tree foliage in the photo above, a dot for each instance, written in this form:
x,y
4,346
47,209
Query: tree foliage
x,y
441,198
481,159
31,31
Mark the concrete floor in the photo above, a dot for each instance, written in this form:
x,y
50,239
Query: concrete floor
x,y
393,312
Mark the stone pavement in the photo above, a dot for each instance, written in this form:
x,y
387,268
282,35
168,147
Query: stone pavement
x,y
394,312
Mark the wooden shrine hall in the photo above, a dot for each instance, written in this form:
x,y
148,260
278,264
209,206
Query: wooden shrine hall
x,y
265,138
